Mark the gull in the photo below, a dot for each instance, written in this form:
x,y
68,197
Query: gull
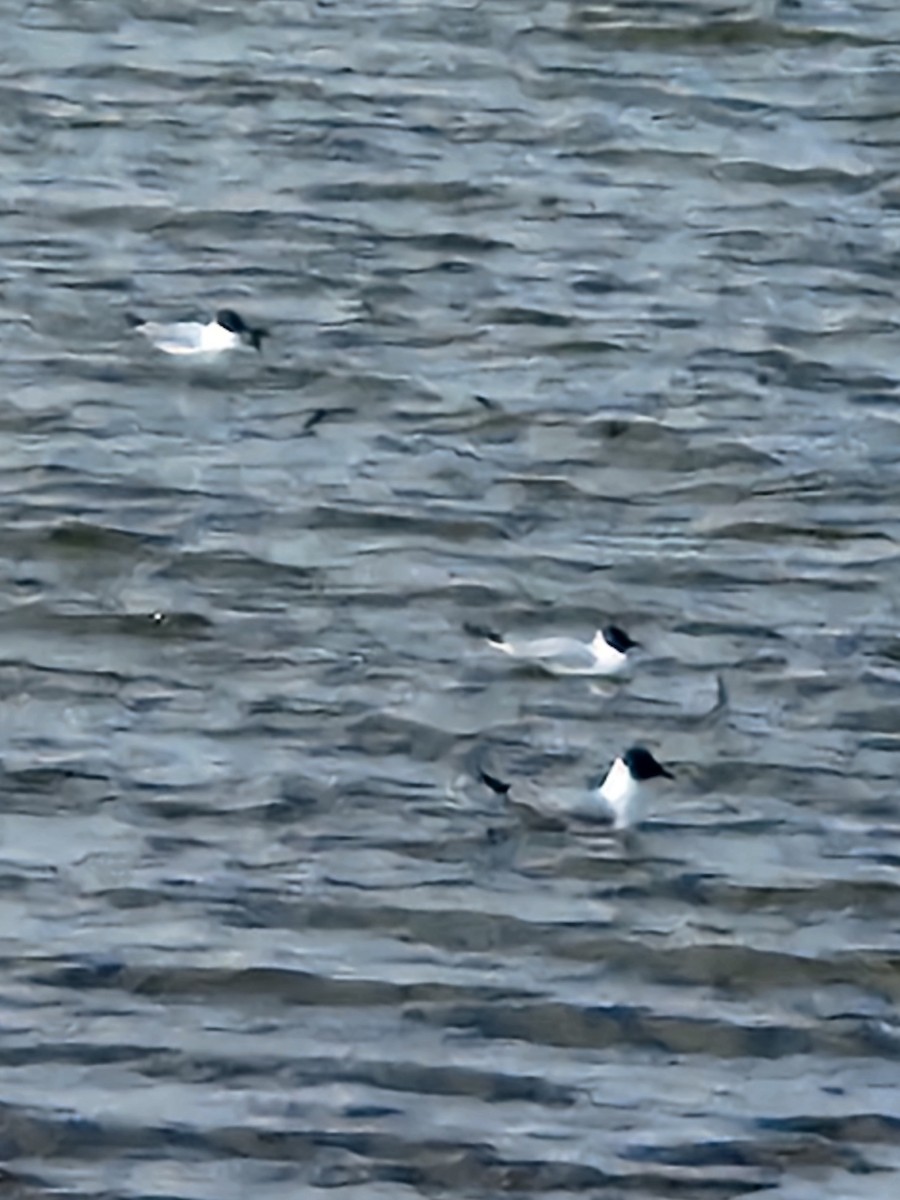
x,y
193,338
619,801
605,654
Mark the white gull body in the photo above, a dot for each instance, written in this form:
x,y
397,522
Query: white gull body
x,y
607,653
196,339
619,801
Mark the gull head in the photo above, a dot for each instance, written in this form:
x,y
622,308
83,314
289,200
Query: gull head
x,y
235,323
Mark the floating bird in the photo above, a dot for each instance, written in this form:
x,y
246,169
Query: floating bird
x,y
192,338
619,800
605,654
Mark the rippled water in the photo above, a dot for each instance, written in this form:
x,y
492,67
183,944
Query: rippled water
x,y
580,311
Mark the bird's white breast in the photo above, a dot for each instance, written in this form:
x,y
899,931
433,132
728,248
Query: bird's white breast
x,y
216,337
609,660
621,793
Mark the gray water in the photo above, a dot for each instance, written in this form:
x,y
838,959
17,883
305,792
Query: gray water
x,y
579,312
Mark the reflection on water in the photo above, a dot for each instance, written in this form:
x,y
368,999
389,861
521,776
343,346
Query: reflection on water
x,y
580,313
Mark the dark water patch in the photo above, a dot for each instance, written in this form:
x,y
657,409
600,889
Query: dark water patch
x,y
586,347
860,1127
794,1152
648,29
275,986
625,1026
446,524
741,972
527,316
770,532
456,192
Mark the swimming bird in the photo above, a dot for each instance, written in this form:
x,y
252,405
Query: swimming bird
x,y
618,801
605,654
224,332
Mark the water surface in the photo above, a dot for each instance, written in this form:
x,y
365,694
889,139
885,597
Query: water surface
x,y
579,312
